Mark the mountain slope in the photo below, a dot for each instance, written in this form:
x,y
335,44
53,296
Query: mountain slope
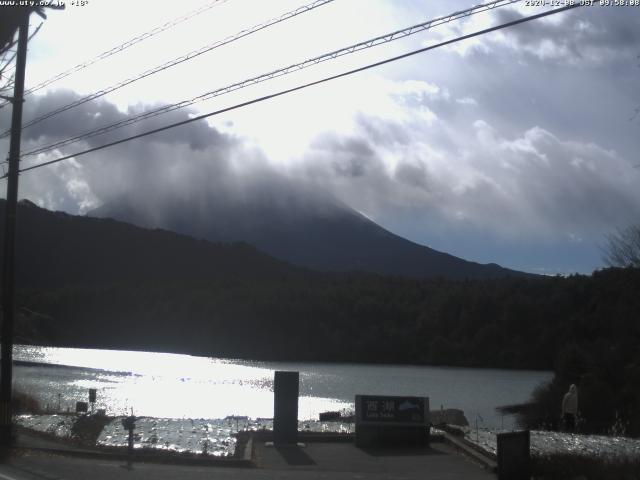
x,y
55,249
303,228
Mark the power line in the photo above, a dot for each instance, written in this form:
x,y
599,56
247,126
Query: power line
x,y
278,73
176,61
304,86
124,46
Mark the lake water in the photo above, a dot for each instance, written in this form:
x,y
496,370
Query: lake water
x,y
181,386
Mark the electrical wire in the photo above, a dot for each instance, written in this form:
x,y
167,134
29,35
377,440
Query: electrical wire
x,y
304,86
176,61
123,46
277,73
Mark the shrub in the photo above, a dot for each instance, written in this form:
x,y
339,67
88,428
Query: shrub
x,y
24,403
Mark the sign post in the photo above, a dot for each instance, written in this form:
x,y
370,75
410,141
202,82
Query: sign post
x,y
392,420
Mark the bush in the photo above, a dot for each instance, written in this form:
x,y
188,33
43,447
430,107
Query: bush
x,y
24,403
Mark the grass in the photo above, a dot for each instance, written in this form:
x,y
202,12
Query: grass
x,y
572,466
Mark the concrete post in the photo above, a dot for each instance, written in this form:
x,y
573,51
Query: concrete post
x,y
285,407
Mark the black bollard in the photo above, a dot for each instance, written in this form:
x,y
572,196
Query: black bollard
x,y
514,457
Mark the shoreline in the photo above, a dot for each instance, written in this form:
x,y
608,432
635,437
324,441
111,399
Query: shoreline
x,y
31,363
287,361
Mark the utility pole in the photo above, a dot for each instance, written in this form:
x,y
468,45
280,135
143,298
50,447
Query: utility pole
x,y
8,272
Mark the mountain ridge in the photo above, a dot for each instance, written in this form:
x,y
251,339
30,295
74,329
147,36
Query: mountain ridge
x,y
313,231
55,249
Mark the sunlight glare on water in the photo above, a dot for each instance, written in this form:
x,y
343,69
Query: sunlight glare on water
x,y
182,386
156,384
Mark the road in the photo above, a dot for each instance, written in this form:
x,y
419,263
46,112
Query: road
x,y
316,461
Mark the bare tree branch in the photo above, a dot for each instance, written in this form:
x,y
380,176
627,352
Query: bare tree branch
x,y
623,248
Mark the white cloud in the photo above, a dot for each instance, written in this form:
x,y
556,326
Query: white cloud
x,y
467,101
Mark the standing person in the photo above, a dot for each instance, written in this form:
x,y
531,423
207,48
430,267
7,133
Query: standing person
x,y
570,408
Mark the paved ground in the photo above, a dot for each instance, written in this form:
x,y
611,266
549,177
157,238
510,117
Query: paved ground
x,y
339,461
344,460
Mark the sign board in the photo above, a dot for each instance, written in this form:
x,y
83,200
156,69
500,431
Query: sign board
x,y
92,395
387,410
514,455
392,421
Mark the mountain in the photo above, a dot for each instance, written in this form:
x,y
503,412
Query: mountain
x,y
55,250
305,228
100,283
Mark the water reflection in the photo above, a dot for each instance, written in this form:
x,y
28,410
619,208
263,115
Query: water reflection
x,y
182,386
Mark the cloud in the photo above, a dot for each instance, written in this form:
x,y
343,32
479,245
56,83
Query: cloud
x,y
96,114
535,184
583,37
195,165
438,160
467,101
185,159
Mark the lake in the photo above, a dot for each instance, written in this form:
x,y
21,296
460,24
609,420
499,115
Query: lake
x,y
182,386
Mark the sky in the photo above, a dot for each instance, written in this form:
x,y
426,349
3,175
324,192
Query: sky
x,y
518,147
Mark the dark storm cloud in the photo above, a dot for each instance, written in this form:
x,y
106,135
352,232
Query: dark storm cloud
x,y
185,159
535,185
537,180
592,35
412,174
96,114
351,157
195,164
